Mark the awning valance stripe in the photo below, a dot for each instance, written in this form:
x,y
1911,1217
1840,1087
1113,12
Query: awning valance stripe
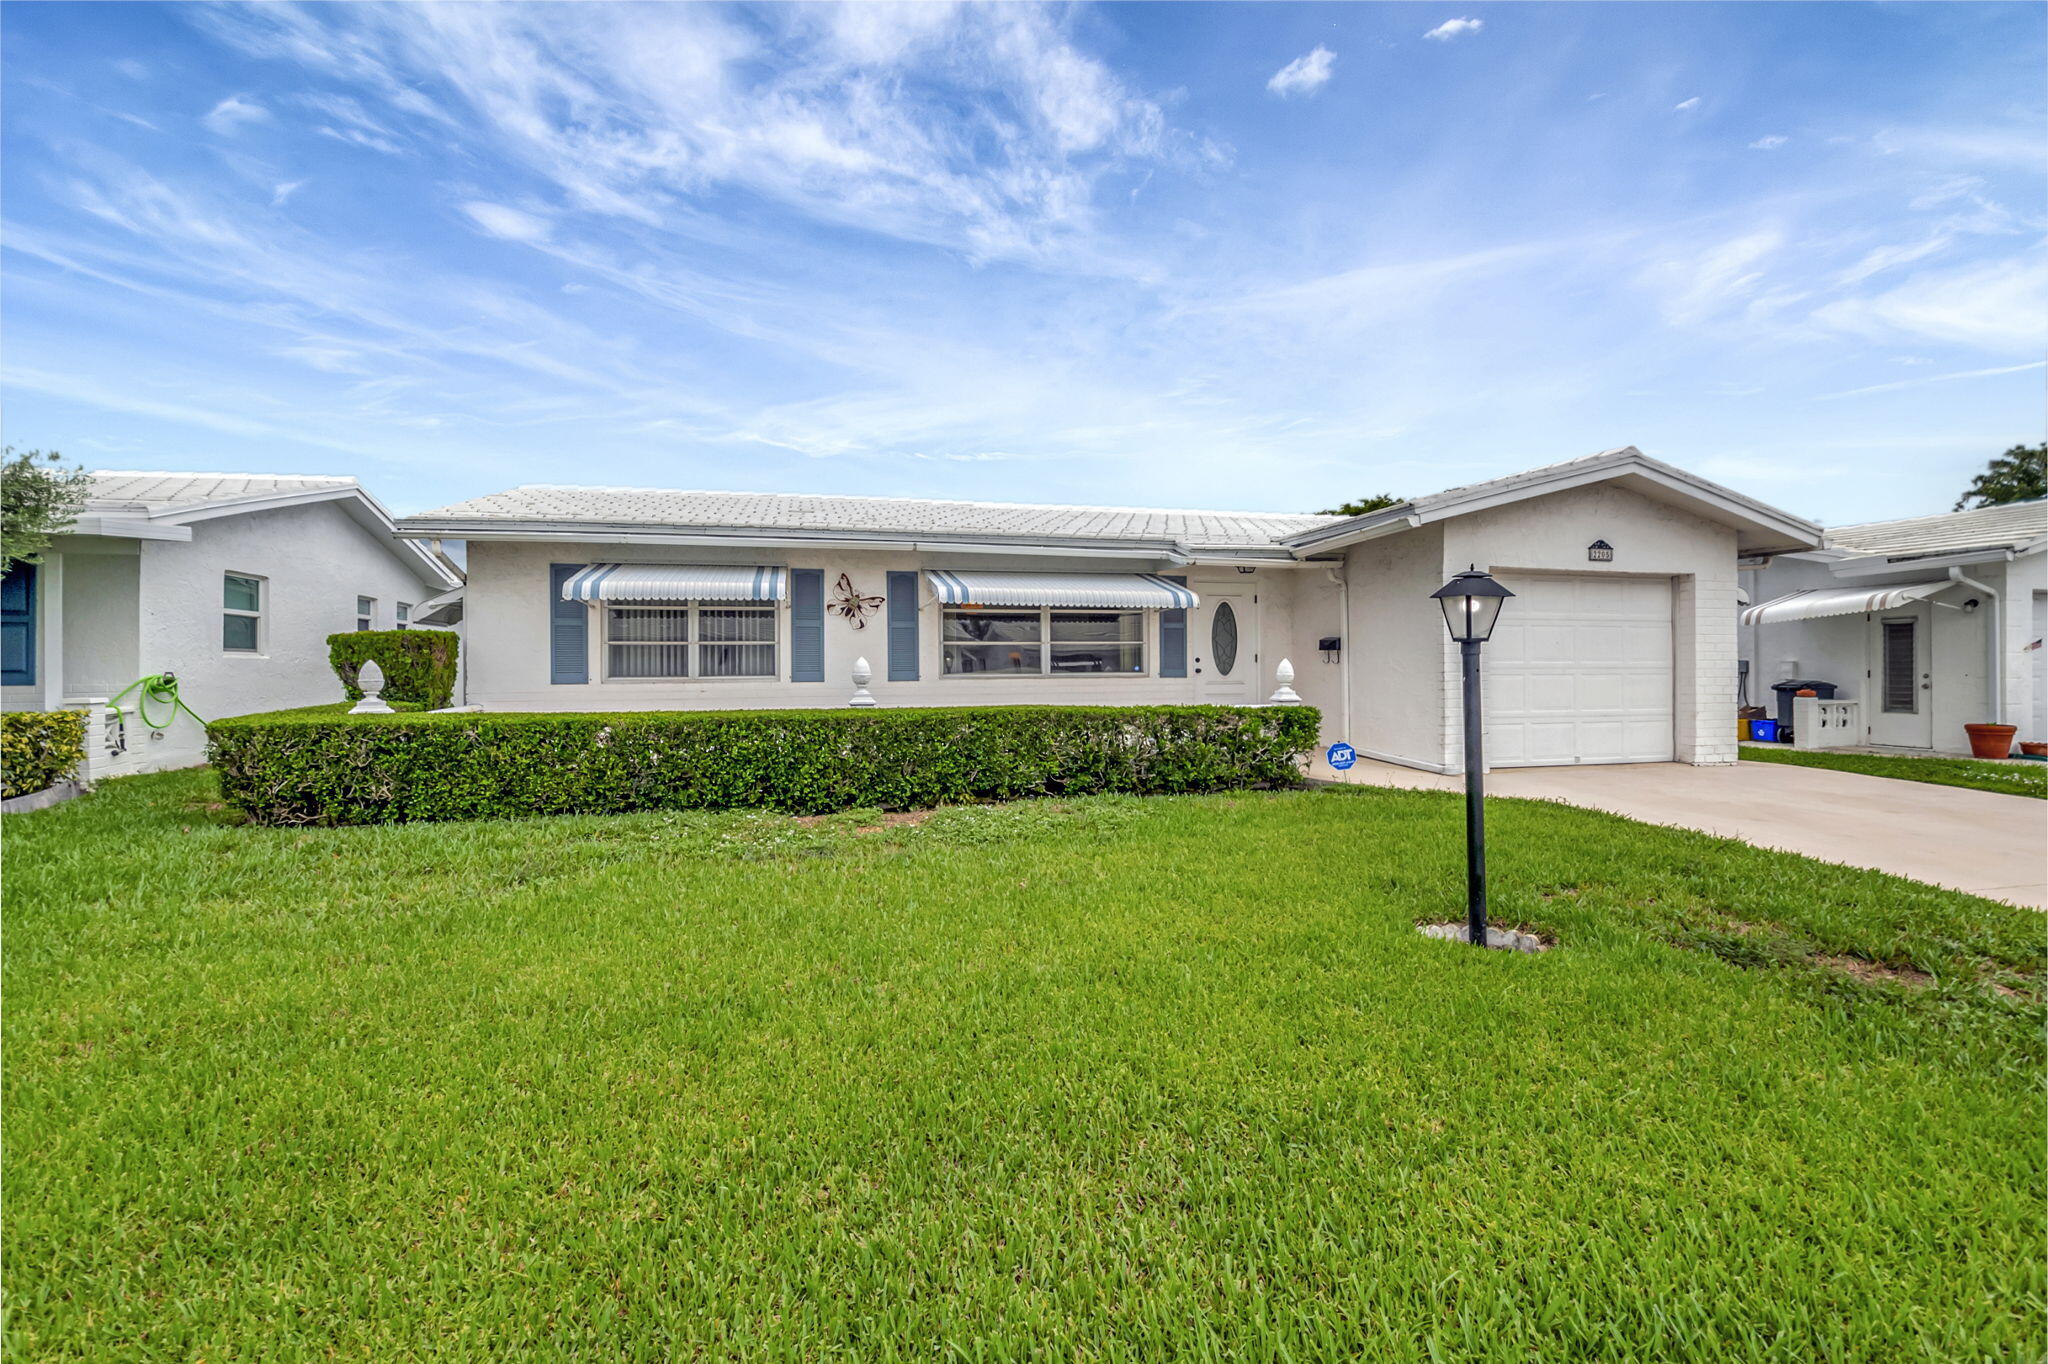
x,y
677,582
1115,591
1815,602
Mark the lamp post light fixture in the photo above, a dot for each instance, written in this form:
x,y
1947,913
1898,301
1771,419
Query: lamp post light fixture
x,y
1471,603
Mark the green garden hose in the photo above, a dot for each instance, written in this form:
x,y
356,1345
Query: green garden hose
x,y
161,688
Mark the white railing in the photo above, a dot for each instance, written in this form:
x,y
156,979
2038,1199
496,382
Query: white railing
x,y
1826,724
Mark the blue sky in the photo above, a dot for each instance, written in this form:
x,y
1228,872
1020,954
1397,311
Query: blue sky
x,y
1256,256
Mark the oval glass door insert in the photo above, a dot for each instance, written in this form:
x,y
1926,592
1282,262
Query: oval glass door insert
x,y
1223,639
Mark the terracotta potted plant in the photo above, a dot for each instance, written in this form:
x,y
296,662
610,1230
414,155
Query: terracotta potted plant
x,y
1991,741
2034,748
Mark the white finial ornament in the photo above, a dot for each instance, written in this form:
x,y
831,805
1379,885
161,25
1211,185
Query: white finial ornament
x,y
371,680
862,675
1284,694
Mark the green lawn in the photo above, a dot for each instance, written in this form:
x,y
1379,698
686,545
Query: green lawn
x,y
1107,1079
2011,778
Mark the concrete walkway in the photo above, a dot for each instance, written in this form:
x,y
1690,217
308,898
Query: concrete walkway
x,y
1988,844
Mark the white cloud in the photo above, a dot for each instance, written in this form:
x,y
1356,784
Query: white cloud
x,y
1940,379
1697,288
1304,75
981,128
1685,105
233,113
329,359
285,191
361,139
1880,259
352,123
1769,142
72,387
204,255
2017,145
1999,306
510,224
1455,28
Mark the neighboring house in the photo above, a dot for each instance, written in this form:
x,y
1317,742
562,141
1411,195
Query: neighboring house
x,y
1619,647
1926,624
231,581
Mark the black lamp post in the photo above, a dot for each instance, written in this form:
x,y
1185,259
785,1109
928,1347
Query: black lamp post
x,y
1471,603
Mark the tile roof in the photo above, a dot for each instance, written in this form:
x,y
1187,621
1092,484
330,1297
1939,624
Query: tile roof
x,y
133,490
2009,526
905,516
123,500
1759,527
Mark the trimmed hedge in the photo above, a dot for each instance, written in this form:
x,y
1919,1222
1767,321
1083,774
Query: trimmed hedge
x,y
419,665
313,767
39,748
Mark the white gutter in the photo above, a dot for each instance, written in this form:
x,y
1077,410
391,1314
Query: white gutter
x,y
1170,553
1995,637
1302,548
778,538
120,526
1878,565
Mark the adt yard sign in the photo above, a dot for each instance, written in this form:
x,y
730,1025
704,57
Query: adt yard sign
x,y
1342,756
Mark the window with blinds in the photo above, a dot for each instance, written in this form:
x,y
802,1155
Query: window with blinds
x,y
1034,641
1901,667
681,639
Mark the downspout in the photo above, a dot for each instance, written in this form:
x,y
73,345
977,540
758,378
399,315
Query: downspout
x,y
1341,573
1994,635
1755,641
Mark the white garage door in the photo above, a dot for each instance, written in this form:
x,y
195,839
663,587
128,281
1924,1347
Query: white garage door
x,y
1579,671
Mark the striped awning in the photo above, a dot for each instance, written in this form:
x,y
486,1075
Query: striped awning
x,y
1815,602
1119,591
676,582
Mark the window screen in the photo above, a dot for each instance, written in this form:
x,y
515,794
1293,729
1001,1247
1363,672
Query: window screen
x,y
677,639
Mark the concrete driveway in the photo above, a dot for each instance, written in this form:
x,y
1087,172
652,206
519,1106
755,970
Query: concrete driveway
x,y
1988,844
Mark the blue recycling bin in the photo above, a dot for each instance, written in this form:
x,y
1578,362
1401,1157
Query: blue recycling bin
x,y
1764,731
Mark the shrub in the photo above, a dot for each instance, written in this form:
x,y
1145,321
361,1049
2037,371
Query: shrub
x,y
323,768
39,748
419,665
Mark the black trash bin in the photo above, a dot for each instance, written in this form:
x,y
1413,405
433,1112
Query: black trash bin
x,y
1791,687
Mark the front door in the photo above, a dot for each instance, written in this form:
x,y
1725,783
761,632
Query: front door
x,y
1225,650
1899,706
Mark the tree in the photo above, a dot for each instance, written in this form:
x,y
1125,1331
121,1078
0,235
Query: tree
x,y
1362,506
38,498
2018,475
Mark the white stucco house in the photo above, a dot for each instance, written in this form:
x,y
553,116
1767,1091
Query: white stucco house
x,y
1923,626
231,581
1620,645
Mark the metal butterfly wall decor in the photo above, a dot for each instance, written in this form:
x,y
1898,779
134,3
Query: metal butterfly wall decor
x,y
848,602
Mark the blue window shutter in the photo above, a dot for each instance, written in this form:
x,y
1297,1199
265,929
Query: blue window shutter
x,y
1173,637
807,625
903,627
568,629
18,626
